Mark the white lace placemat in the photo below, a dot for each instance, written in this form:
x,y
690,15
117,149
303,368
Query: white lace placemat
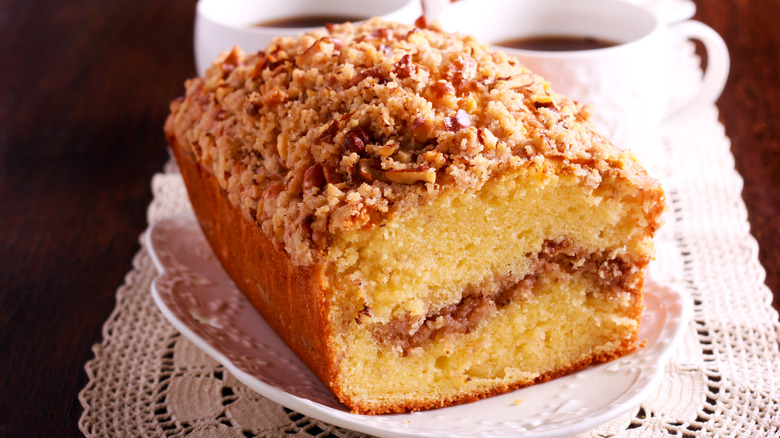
x,y
724,379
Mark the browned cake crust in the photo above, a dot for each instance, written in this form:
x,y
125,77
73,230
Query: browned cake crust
x,y
290,298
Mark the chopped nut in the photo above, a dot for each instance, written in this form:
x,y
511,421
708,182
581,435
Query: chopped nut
x,y
276,59
221,114
403,156
314,177
386,50
415,37
404,67
222,90
384,33
332,176
322,47
374,72
356,140
441,93
543,101
257,71
365,312
435,158
516,82
411,176
460,121
337,43
252,103
462,69
282,144
467,103
367,171
269,198
423,130
232,60
274,97
318,236
487,138
384,150
329,132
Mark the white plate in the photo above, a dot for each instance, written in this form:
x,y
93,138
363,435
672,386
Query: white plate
x,y
200,300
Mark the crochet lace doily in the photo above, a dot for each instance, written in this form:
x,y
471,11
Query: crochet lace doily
x,y
724,379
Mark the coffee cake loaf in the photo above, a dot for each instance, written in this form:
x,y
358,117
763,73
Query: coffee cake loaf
x,y
421,219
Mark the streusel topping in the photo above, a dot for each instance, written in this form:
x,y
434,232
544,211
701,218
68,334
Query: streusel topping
x,y
343,127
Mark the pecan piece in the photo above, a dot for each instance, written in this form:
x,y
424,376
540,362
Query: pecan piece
x,y
274,97
404,67
332,175
543,101
386,50
276,58
462,68
319,46
441,93
421,22
486,137
337,43
320,238
252,103
369,170
328,133
269,198
231,61
411,176
314,177
257,72
441,88
356,140
384,33
469,86
434,158
384,150
423,130
460,121
374,72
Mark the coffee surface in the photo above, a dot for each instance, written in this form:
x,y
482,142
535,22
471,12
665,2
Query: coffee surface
x,y
314,20
557,43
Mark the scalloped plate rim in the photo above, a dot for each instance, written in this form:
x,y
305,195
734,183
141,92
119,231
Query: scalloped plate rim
x,y
672,333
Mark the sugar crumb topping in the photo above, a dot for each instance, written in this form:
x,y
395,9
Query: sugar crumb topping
x,y
341,128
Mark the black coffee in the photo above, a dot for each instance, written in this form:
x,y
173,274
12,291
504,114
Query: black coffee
x,y
307,21
557,43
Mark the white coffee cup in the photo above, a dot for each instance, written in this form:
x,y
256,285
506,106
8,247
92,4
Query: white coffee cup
x,y
222,24
628,85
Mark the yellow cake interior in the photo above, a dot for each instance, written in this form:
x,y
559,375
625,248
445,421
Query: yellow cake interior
x,y
416,264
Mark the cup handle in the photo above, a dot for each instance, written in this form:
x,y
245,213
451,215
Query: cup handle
x,y
715,76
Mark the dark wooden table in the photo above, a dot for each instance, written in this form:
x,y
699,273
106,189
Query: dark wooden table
x,y
84,90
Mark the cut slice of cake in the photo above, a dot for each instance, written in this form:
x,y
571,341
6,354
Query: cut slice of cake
x,y
422,220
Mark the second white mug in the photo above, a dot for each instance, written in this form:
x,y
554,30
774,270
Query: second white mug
x,y
629,85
